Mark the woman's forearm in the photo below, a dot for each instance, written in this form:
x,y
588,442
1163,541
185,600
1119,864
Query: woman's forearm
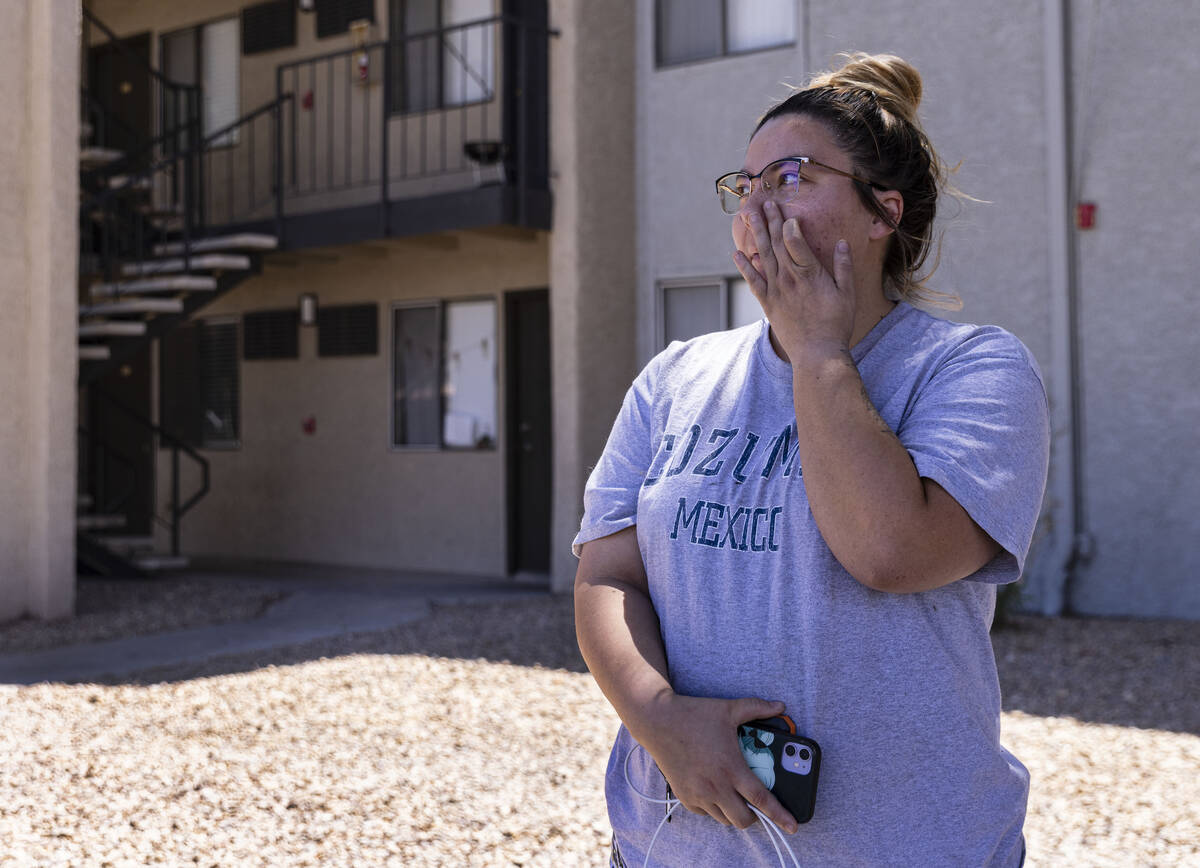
x,y
618,634
888,527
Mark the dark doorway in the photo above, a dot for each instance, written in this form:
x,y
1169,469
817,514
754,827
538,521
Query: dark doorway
x,y
527,378
119,86
120,469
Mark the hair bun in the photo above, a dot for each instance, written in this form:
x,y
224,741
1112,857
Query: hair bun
x,y
895,83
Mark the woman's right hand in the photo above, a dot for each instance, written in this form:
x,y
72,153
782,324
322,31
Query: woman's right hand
x,y
694,742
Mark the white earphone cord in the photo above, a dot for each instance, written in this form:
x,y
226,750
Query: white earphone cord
x,y
768,825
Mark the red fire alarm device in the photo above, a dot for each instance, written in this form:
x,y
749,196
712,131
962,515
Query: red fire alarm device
x,y
1085,215
309,425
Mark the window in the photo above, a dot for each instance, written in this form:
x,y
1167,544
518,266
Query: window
x,y
271,334
198,382
207,55
444,375
690,30
335,16
691,308
267,26
348,330
442,58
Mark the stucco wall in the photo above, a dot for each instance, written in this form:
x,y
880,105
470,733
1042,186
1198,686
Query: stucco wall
x,y
1135,108
984,69
696,119
983,108
38,159
343,494
593,249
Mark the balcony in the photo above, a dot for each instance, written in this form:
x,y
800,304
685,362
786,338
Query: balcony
x,y
434,131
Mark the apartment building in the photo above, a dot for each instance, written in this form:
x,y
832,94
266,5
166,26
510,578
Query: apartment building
x,y
362,282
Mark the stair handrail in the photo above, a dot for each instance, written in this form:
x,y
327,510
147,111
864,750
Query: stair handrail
x,y
95,198
119,42
129,157
113,504
249,116
177,445
108,198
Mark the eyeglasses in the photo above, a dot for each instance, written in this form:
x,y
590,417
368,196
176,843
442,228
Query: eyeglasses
x,y
780,179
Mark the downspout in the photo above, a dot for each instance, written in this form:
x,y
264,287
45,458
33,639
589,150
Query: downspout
x,y
1066,502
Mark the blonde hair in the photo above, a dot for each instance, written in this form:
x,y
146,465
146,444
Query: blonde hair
x,y
869,104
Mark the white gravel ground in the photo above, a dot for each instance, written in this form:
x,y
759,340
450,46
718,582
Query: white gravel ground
x,y
476,738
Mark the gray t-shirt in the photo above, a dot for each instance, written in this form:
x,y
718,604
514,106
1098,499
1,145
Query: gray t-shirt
x,y
899,690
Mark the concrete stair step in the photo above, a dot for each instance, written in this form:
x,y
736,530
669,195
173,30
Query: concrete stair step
x,y
127,544
92,157
167,222
93,352
126,183
112,329
99,522
151,209
152,563
203,261
241,241
181,283
133,306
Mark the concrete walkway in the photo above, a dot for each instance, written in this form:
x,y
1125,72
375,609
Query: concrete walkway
x,y
318,605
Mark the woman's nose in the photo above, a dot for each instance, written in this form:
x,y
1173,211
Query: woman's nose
x,y
752,202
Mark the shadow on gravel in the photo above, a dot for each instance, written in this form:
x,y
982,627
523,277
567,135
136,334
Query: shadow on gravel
x,y
1140,673
528,632
1135,673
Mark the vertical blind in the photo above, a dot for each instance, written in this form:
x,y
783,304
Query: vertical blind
x,y
219,65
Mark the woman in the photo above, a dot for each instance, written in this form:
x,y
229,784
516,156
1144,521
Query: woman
x,y
812,514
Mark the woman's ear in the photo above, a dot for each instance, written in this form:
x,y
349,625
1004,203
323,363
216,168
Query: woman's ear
x,y
893,205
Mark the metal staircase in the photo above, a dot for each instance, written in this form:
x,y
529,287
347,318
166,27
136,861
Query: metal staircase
x,y
148,261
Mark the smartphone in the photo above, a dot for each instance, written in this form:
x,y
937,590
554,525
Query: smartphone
x,y
788,764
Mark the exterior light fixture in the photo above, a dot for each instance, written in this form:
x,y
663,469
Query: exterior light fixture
x,y
308,309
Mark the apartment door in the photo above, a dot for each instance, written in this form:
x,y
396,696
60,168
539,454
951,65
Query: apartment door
x,y
119,80
121,454
527,375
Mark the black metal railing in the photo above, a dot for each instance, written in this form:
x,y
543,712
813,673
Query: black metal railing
x,y
101,489
149,193
416,114
243,166
110,492
177,104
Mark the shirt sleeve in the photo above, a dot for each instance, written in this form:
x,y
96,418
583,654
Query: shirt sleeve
x,y
611,496
979,428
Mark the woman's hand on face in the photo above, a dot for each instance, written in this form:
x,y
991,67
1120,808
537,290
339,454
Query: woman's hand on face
x,y
808,307
694,741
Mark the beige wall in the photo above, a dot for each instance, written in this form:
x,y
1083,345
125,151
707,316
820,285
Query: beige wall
x,y
344,494
986,70
38,249
593,299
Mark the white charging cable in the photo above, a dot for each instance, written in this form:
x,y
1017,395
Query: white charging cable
x,y
769,826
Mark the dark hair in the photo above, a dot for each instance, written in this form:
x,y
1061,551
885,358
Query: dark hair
x,y
869,106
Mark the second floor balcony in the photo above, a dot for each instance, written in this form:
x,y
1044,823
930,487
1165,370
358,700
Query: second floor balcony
x,y
418,132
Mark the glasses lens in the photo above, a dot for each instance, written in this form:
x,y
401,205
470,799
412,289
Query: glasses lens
x,y
732,188
782,178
